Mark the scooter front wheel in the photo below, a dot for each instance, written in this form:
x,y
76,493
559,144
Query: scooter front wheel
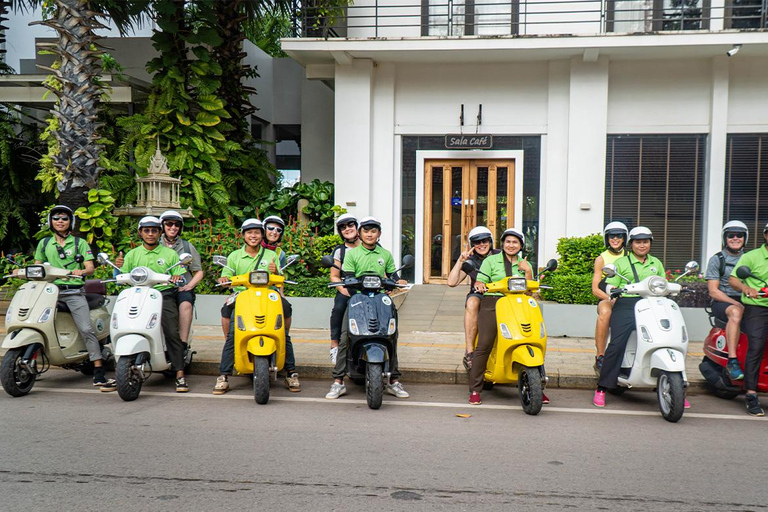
x,y
530,390
15,379
374,384
671,395
261,380
128,382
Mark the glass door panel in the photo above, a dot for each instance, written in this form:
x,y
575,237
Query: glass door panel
x,y
435,239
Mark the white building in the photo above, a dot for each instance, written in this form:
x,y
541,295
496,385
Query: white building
x,y
593,111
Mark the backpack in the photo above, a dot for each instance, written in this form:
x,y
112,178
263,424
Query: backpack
x,y
343,249
47,240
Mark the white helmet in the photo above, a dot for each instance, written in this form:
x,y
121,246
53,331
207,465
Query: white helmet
x,y
345,218
172,215
252,224
149,222
615,228
480,233
514,232
64,209
735,226
274,219
640,233
370,221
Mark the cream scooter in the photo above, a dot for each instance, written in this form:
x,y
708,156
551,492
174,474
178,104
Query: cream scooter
x,y
42,333
137,332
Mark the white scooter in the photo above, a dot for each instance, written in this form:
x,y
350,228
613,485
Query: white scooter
x,y
137,332
655,352
42,333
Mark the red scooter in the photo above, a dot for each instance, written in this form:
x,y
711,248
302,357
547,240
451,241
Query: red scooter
x,y
712,367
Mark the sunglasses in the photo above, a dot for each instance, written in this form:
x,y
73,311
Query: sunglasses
x,y
175,224
615,235
150,230
59,217
275,228
735,235
483,241
348,225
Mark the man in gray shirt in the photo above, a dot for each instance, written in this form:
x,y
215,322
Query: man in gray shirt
x,y
726,304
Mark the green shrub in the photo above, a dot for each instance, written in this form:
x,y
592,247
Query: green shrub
x,y
572,281
310,287
570,289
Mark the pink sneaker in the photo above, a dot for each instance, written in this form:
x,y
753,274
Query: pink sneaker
x,y
686,404
474,398
544,399
599,400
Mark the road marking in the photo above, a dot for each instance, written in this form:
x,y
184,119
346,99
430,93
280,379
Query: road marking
x,y
409,403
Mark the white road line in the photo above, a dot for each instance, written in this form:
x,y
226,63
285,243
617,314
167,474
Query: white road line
x,y
409,403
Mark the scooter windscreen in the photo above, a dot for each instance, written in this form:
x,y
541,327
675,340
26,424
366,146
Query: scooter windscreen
x,y
371,316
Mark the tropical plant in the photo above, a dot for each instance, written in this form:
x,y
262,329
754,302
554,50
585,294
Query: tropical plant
x,y
97,223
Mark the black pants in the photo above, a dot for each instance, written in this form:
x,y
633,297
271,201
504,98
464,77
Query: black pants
x,y
337,315
622,325
170,324
754,323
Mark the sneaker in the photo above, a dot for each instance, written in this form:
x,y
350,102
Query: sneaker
x,y
544,399
474,398
686,404
292,382
734,369
181,385
599,399
109,385
99,378
598,365
753,405
222,385
397,390
336,391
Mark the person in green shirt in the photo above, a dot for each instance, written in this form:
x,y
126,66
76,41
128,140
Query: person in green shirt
x,y
754,321
508,263
63,250
252,256
159,258
368,257
637,265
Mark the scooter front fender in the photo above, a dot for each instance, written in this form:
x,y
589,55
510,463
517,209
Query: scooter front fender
x,y
261,346
374,353
667,360
527,355
131,344
23,338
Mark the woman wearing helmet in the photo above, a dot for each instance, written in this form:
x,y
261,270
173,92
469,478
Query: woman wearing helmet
x,y
479,247
507,263
346,225
615,240
726,301
173,225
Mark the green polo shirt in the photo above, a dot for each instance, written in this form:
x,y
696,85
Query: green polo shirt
x,y
158,260
359,261
51,255
493,268
651,267
757,261
242,263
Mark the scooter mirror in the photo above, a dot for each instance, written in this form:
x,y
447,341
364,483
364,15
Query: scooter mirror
x,y
609,270
220,260
102,258
691,266
743,272
326,261
185,258
407,261
468,267
290,260
12,261
551,265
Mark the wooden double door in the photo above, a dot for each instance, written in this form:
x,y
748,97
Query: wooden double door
x,y
459,195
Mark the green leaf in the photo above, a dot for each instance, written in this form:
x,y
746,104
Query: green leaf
x,y
215,134
210,102
93,195
207,119
183,119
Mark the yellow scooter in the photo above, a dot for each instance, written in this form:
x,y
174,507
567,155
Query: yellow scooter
x,y
521,339
259,326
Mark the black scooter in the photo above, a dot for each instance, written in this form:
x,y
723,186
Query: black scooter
x,y
371,320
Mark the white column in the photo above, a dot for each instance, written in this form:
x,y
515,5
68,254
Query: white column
x,y
714,185
382,193
353,110
554,165
587,132
717,13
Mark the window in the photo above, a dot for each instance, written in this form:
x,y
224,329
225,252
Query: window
x,y
657,181
746,183
469,17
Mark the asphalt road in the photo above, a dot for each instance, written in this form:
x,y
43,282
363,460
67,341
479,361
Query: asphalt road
x,y
68,447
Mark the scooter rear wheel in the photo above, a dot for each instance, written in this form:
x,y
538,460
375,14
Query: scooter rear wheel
x,y
671,396
261,380
16,380
529,389
374,384
128,383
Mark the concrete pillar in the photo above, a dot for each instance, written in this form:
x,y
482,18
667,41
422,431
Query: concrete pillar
x,y
383,196
717,13
714,184
587,132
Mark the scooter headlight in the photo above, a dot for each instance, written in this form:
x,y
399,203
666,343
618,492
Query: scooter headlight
x,y
505,330
139,276
657,285
259,277
353,327
392,327
371,282
517,284
35,272
45,316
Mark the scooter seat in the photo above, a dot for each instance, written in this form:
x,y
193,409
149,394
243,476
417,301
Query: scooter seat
x,y
95,301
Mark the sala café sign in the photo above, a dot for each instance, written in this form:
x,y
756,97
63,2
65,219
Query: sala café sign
x,y
461,141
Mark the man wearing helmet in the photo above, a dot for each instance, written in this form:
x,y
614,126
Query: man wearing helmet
x,y
615,240
173,225
63,250
369,256
274,227
508,263
346,225
480,246
726,302
252,256
754,322
153,255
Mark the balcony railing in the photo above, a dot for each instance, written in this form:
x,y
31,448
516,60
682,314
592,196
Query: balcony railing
x,y
414,18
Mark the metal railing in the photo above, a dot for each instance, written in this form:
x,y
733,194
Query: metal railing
x,y
411,18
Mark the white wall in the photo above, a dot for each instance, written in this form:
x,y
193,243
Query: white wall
x,y
748,98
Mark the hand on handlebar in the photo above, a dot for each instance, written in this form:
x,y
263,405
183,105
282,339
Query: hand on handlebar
x,y
616,293
751,292
480,287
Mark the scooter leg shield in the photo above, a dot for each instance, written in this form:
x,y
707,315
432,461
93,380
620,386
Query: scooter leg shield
x,y
261,346
131,344
528,355
374,353
668,360
22,338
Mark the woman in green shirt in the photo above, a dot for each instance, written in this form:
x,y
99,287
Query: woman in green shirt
x,y
507,263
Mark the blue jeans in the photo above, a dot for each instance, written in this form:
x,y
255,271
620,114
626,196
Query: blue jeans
x,y
227,365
